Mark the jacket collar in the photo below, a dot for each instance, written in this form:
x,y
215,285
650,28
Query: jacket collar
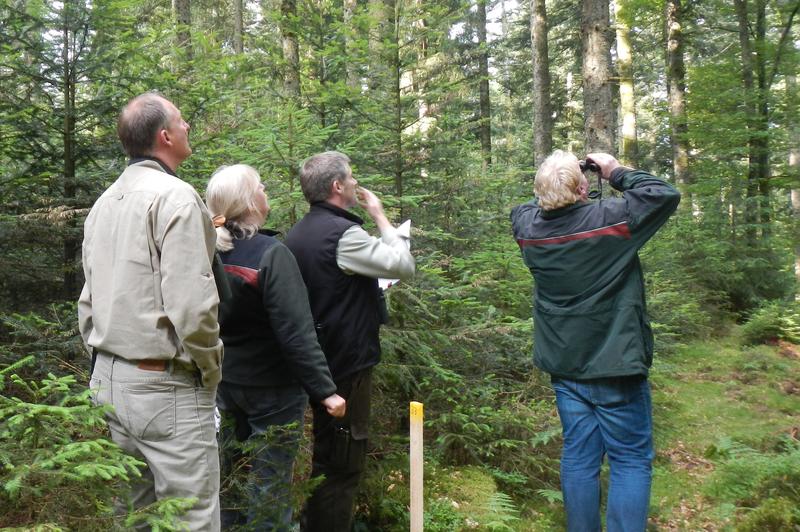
x,y
562,211
324,205
164,167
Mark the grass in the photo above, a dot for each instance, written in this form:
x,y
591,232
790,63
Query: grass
x,y
707,393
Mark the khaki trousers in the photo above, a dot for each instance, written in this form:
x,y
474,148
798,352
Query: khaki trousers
x,y
166,419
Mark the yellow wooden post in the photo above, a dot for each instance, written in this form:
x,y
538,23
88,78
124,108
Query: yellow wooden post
x,y
416,466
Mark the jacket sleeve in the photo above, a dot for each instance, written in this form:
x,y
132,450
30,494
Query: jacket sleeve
x,y
286,303
387,256
189,290
85,321
649,200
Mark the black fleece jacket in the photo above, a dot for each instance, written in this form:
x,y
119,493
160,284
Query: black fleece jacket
x,y
266,326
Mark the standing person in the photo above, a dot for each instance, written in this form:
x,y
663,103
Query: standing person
x,y
341,263
591,331
272,357
148,313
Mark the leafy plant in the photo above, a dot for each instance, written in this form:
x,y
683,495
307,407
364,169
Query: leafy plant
x,y
58,467
775,320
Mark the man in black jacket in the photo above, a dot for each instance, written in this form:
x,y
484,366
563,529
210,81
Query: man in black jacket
x,y
591,331
340,263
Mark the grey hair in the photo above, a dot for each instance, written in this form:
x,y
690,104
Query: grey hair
x,y
140,121
230,194
557,180
320,171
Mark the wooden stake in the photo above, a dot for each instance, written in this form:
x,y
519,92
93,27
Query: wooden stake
x,y
416,466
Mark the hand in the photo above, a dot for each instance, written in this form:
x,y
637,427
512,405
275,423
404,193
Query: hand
x,y
372,204
369,201
607,163
335,405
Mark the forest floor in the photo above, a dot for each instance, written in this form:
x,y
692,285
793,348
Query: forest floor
x,y
707,396
704,396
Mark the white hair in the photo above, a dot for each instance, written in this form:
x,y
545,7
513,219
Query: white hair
x,y
230,193
557,180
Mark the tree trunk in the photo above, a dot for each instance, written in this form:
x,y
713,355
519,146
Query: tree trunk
x,y
238,26
676,94
397,101
542,106
794,168
182,12
378,17
350,35
71,243
483,88
629,146
751,204
598,109
291,53
762,122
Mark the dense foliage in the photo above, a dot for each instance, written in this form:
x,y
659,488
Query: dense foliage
x,y
395,84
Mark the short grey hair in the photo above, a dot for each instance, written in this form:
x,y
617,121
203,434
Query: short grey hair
x,y
140,121
320,171
557,181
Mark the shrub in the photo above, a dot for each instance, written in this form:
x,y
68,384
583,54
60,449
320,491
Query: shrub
x,y
775,320
58,467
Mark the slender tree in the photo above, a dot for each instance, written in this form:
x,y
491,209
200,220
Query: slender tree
x,y
348,13
542,107
291,50
599,123
182,12
485,126
629,146
238,26
676,95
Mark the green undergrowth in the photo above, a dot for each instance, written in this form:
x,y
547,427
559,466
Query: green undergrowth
x,y
456,499
726,420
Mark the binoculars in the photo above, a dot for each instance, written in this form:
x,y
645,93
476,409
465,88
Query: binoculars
x,y
591,166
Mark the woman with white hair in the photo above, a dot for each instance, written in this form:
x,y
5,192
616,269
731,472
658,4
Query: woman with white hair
x,y
273,362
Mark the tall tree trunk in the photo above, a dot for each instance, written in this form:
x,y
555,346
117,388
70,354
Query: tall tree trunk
x,y
676,94
182,12
68,133
483,88
238,26
751,109
762,121
794,168
348,12
291,53
598,109
629,147
398,127
379,20
542,106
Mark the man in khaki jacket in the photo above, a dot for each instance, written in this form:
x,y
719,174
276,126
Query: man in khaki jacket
x,y
148,313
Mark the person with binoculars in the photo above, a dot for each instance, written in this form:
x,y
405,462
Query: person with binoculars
x,y
591,330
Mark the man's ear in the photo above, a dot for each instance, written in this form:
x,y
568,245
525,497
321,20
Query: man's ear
x,y
336,187
162,138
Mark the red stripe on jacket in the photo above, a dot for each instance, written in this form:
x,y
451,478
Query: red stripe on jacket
x,y
249,275
621,229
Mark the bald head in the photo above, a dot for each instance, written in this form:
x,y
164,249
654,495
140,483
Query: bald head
x,y
140,121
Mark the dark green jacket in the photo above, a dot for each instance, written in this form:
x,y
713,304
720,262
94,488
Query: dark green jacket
x,y
590,319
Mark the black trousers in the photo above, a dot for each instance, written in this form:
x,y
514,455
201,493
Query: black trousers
x,y
340,453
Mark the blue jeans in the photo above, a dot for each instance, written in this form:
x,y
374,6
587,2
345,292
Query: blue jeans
x,y
612,417
261,431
